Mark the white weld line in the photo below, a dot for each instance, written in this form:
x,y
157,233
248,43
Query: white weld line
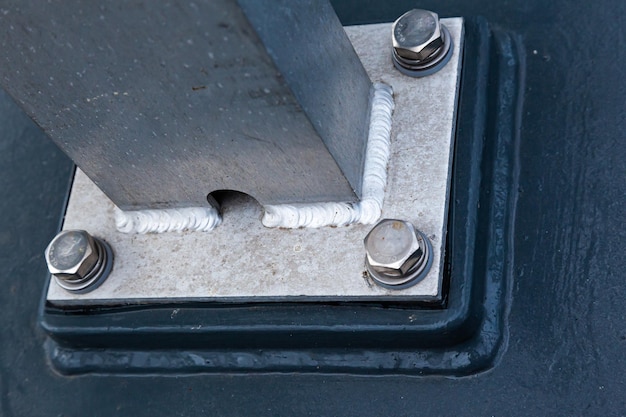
x,y
366,211
201,219
369,209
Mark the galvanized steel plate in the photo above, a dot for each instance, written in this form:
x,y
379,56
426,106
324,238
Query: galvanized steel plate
x,y
243,261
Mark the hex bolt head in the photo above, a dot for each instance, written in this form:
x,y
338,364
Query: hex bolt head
x,y
78,261
417,34
397,255
421,44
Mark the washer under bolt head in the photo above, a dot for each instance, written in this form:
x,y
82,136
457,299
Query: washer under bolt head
x,y
397,255
421,44
78,261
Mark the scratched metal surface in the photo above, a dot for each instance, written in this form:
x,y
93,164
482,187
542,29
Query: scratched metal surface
x,y
567,327
162,104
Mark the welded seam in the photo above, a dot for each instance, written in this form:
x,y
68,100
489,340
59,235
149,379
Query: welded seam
x,y
292,216
369,209
200,219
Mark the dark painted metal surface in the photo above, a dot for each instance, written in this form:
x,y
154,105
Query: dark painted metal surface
x,y
162,104
567,319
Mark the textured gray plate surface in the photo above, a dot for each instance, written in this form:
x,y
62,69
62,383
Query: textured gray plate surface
x,y
243,261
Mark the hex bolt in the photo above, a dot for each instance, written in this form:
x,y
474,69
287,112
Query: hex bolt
x,y
78,261
422,45
397,254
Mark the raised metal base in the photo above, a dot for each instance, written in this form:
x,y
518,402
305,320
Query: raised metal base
x,y
242,261
461,336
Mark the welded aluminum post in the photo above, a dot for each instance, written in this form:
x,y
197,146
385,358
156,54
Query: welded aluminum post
x,y
162,103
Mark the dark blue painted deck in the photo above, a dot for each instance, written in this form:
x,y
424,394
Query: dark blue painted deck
x,y
567,322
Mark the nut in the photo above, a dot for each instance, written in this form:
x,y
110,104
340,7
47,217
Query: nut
x,y
396,253
392,247
78,261
72,254
417,34
421,44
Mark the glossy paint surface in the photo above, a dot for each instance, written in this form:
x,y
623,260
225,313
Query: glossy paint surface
x,y
567,318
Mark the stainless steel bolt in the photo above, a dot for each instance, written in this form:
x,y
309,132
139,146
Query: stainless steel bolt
x,y
78,261
421,44
397,254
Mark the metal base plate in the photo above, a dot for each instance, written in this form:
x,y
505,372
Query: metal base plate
x,y
242,261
